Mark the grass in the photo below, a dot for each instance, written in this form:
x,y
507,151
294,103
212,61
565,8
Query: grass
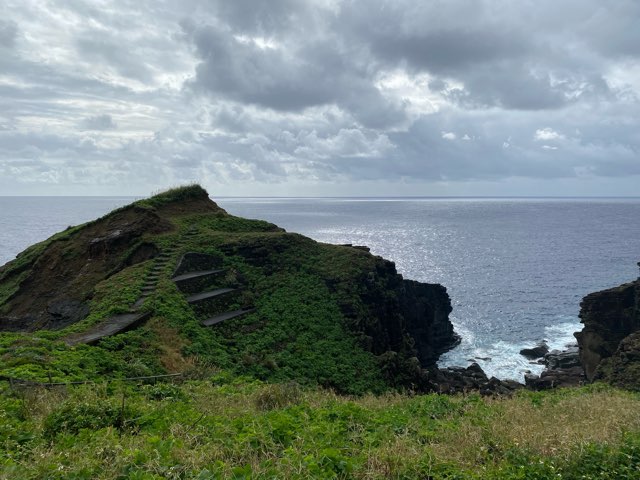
x,y
174,195
229,427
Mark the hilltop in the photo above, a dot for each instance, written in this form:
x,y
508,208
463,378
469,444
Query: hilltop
x,y
174,282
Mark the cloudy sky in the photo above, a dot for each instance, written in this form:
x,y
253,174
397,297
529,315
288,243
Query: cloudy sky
x,y
320,97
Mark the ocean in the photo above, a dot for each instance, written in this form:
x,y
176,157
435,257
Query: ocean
x,y
516,269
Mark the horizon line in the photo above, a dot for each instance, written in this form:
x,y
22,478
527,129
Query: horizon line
x,y
409,197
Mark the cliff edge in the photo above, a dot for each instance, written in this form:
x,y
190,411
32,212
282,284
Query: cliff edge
x,y
610,339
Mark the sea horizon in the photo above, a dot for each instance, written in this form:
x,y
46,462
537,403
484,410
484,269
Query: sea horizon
x,y
409,197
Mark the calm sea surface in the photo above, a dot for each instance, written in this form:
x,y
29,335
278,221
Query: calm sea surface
x,y
515,269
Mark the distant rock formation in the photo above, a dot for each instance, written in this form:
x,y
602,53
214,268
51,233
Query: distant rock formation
x,y
610,339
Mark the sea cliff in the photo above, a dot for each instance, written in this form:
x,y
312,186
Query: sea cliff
x,y
610,340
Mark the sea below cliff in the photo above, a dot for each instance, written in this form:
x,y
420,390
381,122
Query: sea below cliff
x,y
516,269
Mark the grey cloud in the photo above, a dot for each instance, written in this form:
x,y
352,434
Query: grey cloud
x,y
262,76
262,17
613,29
8,33
500,57
115,54
448,51
289,78
99,122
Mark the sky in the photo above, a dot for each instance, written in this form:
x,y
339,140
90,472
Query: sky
x,y
320,97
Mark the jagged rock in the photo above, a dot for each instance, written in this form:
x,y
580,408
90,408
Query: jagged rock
x,y
557,359
425,308
540,350
608,317
471,378
567,377
622,369
563,369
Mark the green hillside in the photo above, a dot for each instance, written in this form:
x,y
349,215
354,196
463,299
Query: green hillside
x,y
314,313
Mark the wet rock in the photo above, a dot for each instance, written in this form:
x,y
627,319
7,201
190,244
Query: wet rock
x,y
560,359
539,351
567,377
563,369
472,378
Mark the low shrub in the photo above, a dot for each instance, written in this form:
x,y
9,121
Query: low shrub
x,y
72,417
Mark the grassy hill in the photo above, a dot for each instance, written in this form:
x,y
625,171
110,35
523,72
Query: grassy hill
x,y
318,314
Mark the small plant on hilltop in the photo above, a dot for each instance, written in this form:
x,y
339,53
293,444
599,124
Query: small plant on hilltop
x,y
174,195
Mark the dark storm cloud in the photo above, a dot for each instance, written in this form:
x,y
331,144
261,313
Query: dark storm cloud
x,y
290,78
501,54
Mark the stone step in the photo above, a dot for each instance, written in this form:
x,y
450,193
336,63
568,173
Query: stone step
x,y
211,294
138,303
226,316
197,274
111,326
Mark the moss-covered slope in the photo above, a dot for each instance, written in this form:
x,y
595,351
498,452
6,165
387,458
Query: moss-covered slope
x,y
315,313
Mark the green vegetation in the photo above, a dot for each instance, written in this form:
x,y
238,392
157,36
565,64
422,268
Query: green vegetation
x,y
174,195
228,427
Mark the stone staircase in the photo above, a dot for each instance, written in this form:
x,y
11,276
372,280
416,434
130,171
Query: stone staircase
x,y
194,276
198,276
134,317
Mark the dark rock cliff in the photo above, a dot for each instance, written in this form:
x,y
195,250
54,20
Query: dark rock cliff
x,y
405,323
609,343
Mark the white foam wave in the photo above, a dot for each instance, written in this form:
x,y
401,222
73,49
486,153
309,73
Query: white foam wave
x,y
502,359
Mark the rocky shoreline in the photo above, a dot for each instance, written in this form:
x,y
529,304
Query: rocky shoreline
x,y
607,349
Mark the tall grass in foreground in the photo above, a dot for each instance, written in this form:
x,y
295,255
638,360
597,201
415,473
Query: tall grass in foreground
x,y
233,428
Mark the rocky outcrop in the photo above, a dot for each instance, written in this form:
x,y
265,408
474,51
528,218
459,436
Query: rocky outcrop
x,y
53,289
425,308
562,369
403,322
609,317
622,369
539,351
471,378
